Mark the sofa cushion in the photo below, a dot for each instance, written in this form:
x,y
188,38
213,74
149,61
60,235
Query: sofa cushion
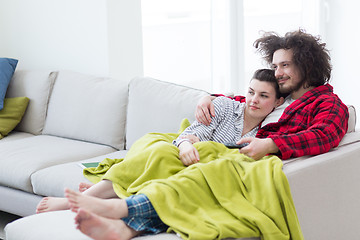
x,y
157,106
37,86
21,158
18,202
7,68
53,180
60,225
14,135
88,108
11,114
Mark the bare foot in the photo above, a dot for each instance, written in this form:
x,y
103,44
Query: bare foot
x,y
110,208
85,186
100,228
48,204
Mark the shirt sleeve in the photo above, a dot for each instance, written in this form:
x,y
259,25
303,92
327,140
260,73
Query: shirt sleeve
x,y
204,132
328,123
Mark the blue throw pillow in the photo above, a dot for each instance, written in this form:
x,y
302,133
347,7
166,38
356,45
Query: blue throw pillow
x,y
7,69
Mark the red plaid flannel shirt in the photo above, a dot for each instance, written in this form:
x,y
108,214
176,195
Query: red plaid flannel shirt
x,y
311,125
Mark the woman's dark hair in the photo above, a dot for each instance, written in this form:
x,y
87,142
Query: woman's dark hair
x,y
268,75
310,55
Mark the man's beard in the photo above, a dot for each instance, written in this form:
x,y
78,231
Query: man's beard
x,y
290,89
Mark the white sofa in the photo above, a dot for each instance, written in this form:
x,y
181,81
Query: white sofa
x,y
73,118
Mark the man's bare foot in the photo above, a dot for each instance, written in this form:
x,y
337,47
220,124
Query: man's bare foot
x,y
48,204
110,208
100,228
84,186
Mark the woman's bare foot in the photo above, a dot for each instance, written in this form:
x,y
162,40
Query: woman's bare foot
x,y
48,204
110,208
100,228
84,186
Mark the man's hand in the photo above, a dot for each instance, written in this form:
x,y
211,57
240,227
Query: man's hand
x,y
258,147
204,109
188,153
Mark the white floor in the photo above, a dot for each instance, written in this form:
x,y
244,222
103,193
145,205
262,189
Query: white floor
x,y
5,218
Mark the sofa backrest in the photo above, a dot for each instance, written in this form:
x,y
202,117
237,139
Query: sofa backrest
x,y
96,109
157,106
88,108
37,86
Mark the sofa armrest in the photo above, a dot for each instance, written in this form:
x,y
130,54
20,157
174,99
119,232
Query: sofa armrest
x,y
352,118
326,193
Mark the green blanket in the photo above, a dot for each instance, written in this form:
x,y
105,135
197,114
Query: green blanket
x,y
225,195
142,163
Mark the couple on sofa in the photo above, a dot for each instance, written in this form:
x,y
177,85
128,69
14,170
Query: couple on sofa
x,y
315,123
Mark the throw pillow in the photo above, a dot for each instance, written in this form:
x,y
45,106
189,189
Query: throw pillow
x,y
7,69
11,114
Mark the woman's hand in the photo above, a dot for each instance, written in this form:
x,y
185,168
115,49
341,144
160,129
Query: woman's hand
x,y
188,153
204,110
192,138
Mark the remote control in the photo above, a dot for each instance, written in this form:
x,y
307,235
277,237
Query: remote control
x,y
234,145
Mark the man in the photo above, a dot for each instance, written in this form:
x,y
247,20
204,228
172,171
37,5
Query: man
x,y
313,119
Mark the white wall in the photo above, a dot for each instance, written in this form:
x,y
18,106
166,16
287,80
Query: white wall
x,y
125,38
342,36
101,37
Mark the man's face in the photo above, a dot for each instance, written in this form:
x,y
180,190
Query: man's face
x,y
286,72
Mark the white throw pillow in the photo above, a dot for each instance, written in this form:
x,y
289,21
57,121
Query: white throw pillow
x,y
37,86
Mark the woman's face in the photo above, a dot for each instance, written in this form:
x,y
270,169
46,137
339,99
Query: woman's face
x,y
261,99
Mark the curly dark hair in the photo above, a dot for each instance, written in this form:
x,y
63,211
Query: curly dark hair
x,y
310,55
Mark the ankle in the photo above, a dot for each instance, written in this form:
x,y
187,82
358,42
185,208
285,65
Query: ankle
x,y
120,207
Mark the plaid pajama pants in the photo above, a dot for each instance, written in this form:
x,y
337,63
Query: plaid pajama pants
x,y
142,215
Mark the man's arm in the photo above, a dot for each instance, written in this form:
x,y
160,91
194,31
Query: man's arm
x,y
205,108
327,124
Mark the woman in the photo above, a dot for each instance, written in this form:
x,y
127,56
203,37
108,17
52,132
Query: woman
x,y
235,120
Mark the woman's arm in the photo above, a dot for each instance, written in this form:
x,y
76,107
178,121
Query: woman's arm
x,y
188,154
198,132
191,137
